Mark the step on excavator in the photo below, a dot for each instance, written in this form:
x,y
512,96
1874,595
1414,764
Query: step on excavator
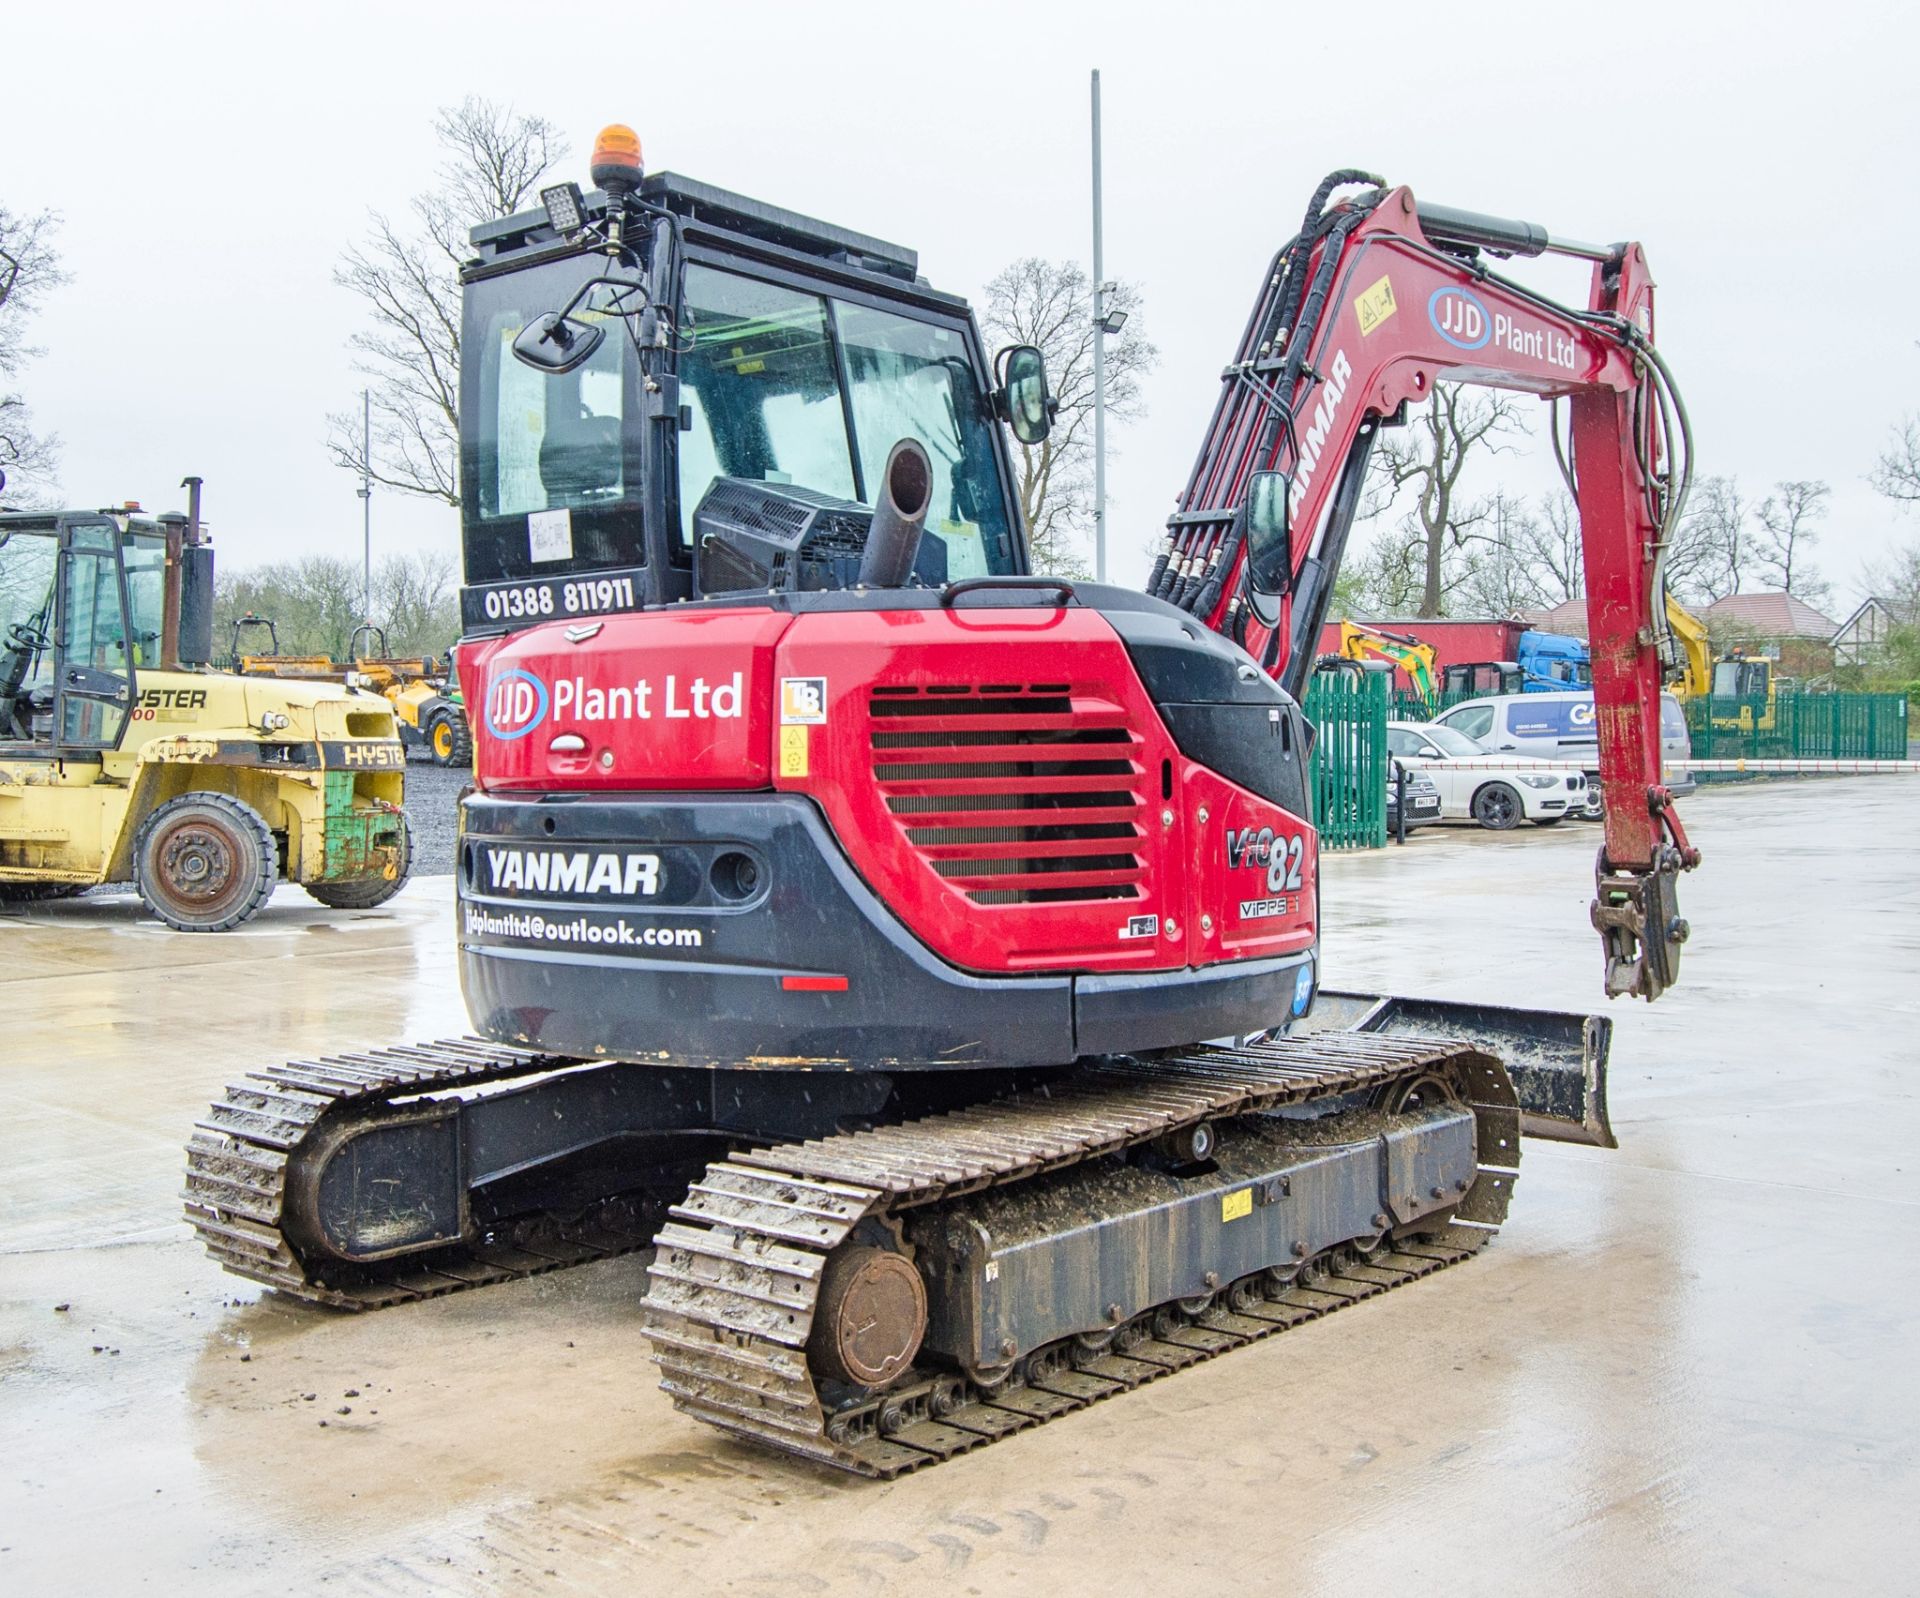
x,y
919,952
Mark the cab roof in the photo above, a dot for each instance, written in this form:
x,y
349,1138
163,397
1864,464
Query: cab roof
x,y
732,223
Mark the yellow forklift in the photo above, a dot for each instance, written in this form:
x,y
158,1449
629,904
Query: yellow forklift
x,y
123,758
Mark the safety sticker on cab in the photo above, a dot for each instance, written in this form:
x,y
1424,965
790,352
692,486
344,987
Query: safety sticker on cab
x,y
1234,1205
793,751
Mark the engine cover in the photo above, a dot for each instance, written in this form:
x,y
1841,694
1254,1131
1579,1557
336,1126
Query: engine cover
x,y
874,833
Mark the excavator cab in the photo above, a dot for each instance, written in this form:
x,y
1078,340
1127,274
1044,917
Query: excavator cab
x,y
1743,694
723,352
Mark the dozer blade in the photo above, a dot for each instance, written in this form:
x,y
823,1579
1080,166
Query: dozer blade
x,y
1557,1058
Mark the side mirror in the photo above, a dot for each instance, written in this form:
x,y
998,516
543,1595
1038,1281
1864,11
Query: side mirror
x,y
557,343
1022,400
1427,752
1269,542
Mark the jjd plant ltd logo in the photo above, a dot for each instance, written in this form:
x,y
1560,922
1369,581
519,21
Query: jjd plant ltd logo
x,y
516,704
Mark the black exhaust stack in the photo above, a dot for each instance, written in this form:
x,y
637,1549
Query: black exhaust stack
x,y
196,584
899,516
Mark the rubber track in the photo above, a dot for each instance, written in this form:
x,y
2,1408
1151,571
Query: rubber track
x,y
236,1177
738,1268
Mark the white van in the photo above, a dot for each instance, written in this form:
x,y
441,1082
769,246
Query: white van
x,y
1560,726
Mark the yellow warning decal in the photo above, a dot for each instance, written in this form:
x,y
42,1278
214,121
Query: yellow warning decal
x,y
793,751
1235,1205
1375,306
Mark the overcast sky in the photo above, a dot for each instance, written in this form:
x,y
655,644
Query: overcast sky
x,y
211,162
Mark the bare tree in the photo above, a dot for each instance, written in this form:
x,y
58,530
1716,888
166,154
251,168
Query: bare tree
x,y
1383,580
1895,579
1527,560
1428,459
1789,523
1551,547
407,272
314,603
1897,473
1049,304
416,599
1713,548
29,268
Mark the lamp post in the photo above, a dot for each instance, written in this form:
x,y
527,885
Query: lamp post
x,y
1099,359
366,506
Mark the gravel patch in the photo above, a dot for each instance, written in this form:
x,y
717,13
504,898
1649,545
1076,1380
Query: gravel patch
x,y
433,808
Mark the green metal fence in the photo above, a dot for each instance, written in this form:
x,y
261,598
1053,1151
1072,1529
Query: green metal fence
x,y
1797,726
1349,714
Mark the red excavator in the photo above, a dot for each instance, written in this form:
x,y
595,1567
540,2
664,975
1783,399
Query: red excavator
x,y
933,942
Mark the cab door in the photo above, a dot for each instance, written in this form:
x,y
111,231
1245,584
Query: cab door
x,y
94,687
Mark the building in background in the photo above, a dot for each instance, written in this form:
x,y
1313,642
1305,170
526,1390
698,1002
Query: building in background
x,y
1862,635
1781,626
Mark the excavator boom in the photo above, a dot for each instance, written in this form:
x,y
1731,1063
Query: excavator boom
x,y
1373,303
1414,658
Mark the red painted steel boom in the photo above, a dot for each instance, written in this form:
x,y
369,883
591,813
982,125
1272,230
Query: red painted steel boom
x,y
1372,304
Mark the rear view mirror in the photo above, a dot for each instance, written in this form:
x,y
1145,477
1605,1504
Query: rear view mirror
x,y
1269,540
1023,400
556,343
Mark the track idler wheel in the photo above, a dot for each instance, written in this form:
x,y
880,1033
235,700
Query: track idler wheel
x,y
872,1314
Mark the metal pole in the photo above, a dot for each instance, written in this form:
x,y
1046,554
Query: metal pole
x,y
366,505
1099,359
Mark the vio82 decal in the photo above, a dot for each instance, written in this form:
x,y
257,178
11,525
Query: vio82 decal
x,y
1280,859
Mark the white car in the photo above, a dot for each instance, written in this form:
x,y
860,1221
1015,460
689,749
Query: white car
x,y
1476,784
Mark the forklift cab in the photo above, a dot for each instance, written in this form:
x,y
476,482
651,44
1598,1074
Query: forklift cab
x,y
75,625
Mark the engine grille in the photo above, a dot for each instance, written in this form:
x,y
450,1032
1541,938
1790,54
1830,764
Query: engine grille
x,y
1015,795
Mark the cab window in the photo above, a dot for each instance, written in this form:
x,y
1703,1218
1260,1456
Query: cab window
x,y
27,565
912,380
1476,721
146,558
764,390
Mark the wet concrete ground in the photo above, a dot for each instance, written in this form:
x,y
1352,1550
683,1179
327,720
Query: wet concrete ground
x,y
1684,1366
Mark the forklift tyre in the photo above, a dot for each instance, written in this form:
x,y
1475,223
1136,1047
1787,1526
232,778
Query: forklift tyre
x,y
449,741
204,862
365,893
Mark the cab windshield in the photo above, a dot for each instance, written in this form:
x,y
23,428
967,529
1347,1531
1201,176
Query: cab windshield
x,y
28,562
1741,679
1450,742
